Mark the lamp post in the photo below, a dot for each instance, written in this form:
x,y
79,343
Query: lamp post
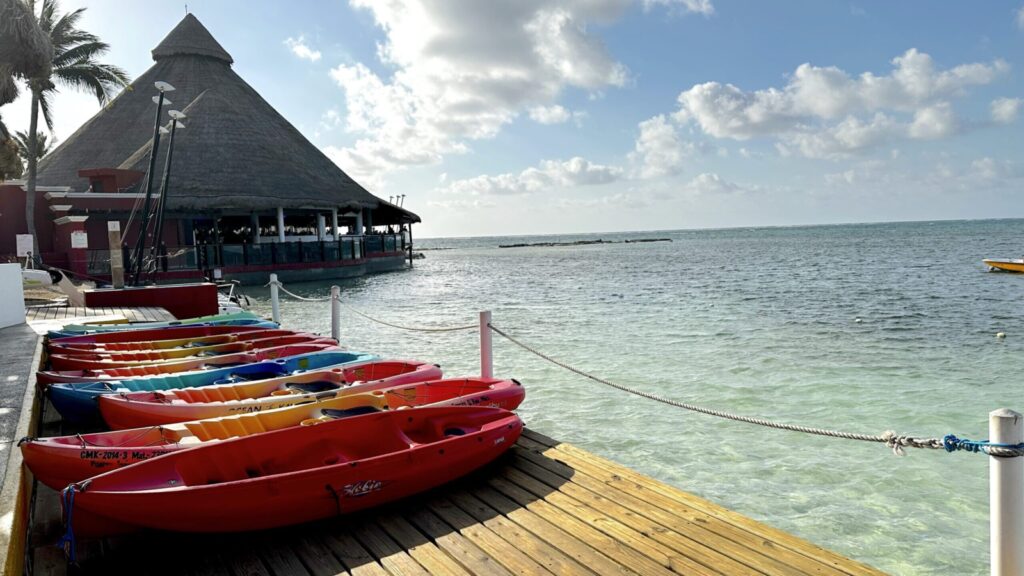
x,y
176,118
140,246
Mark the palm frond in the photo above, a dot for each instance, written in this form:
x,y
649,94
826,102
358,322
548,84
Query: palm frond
x,y
45,108
79,53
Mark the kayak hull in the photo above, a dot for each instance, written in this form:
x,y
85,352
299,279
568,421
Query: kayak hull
x,y
134,410
297,475
62,460
77,402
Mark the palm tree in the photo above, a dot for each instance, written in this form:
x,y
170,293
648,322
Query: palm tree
x,y
74,65
43,144
25,51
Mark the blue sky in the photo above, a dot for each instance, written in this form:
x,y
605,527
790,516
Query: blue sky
x,y
531,116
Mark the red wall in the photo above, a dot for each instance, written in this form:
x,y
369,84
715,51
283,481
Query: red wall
x,y
12,220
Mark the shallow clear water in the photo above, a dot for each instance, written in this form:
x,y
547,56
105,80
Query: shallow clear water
x,y
755,321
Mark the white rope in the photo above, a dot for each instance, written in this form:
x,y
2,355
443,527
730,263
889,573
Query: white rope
x,y
896,442
412,328
281,287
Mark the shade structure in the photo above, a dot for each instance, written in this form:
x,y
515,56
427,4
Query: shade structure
x,y
238,153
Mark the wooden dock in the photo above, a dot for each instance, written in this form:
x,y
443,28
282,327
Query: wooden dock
x,y
65,314
546,507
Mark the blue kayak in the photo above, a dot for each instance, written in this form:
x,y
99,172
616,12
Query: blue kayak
x,y
82,329
78,402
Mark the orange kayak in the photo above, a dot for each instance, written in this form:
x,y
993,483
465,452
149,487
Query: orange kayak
x,y
151,408
62,460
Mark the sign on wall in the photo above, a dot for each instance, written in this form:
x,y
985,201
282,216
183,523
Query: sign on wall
x,y
79,240
24,244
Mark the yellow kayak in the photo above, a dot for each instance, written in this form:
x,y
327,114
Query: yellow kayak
x,y
1002,265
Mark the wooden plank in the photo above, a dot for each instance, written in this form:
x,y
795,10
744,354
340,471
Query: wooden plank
x,y
691,562
241,556
544,553
745,547
567,543
508,555
434,559
694,542
782,541
456,545
276,552
391,555
352,554
609,546
315,555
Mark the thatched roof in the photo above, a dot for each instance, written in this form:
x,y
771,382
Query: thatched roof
x,y
236,153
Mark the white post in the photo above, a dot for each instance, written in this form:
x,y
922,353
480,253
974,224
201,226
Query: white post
x,y
486,356
336,313
334,223
275,300
321,227
280,224
1006,495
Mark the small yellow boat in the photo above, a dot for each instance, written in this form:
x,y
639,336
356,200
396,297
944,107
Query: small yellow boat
x,y
1000,265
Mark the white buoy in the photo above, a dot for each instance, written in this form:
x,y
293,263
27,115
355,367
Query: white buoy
x,y
1000,334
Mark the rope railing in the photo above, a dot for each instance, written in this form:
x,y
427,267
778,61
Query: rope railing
x,y
412,328
896,442
280,286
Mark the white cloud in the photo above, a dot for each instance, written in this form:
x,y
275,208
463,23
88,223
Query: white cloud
x,y
299,47
549,174
711,183
462,69
802,111
934,122
1020,18
989,169
1006,110
555,114
658,150
697,6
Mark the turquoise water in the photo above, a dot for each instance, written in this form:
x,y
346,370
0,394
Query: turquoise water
x,y
755,321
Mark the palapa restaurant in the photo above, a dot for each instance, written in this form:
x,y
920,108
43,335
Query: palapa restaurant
x,y
247,194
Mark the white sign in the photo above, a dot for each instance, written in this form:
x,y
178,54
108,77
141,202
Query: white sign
x,y
113,226
24,244
79,240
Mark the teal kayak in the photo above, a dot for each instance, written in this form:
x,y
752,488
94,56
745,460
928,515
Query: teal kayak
x,y
236,319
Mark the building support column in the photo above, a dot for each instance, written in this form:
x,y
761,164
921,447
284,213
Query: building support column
x,y
254,220
71,239
334,223
369,221
359,223
321,226
280,224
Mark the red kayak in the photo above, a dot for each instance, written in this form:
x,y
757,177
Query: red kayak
x,y
62,460
295,475
101,360
45,378
151,334
153,408
60,347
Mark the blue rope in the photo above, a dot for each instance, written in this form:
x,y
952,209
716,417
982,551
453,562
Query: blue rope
x,y
67,541
951,443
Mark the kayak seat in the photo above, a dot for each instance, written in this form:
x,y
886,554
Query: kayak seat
x,y
356,411
313,387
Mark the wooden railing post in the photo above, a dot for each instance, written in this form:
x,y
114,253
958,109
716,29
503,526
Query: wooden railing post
x,y
486,353
1006,495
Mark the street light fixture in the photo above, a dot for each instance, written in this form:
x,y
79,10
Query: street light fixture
x,y
175,125
140,246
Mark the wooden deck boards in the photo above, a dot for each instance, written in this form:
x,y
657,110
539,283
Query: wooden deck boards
x,y
545,508
59,314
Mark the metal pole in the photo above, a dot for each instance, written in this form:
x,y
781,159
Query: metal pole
x,y
140,245
163,191
486,356
336,313
1006,494
275,300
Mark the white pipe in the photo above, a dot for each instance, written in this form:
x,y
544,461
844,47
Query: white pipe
x,y
336,313
275,300
1006,494
486,353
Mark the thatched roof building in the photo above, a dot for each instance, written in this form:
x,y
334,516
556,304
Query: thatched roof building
x,y
237,153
